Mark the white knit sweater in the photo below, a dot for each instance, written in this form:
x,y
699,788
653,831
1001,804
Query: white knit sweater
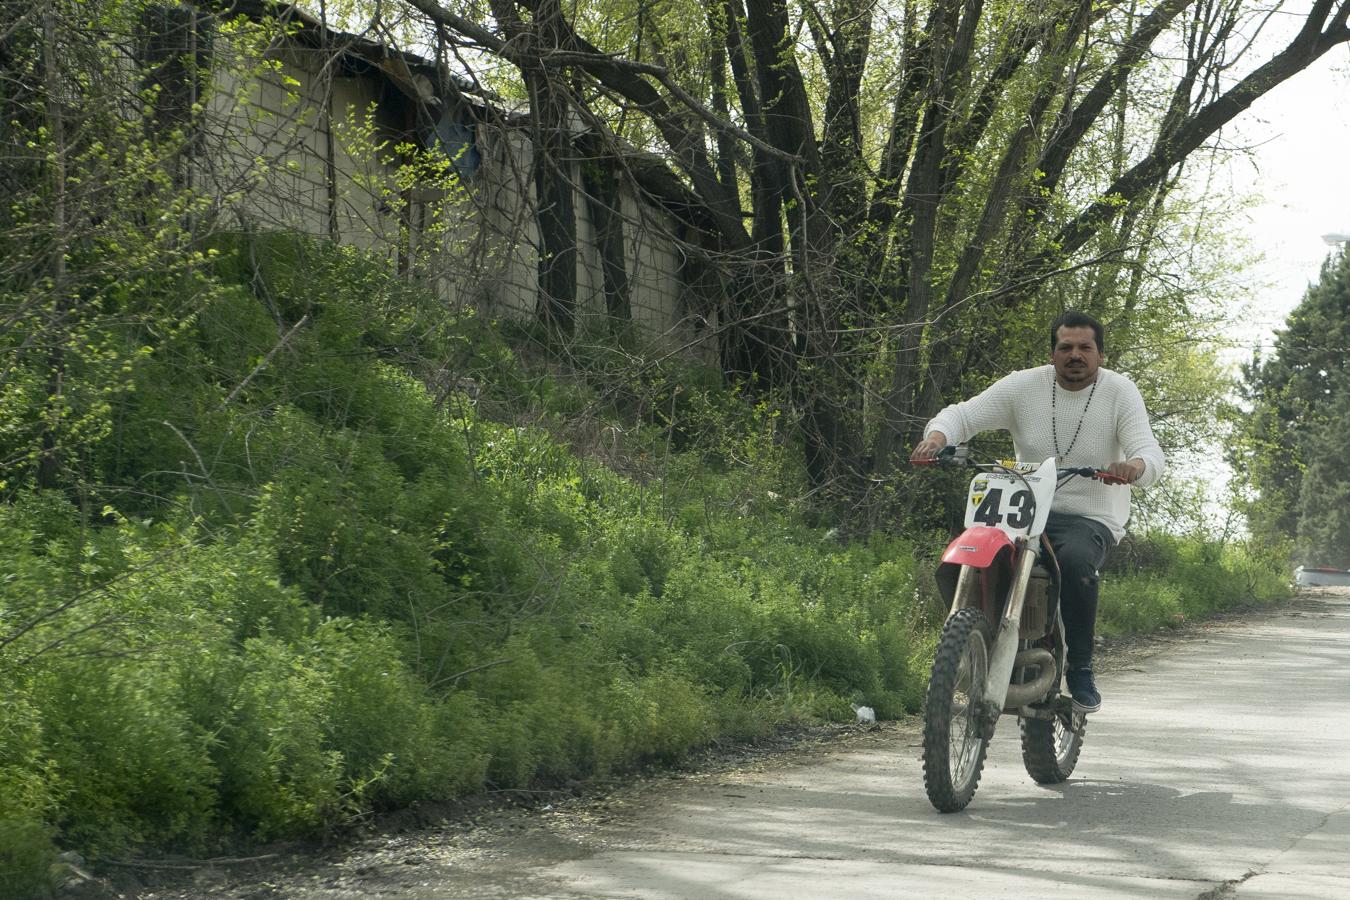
x,y
1115,427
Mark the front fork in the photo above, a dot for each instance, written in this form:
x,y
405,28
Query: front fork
x,y
1001,661
1004,656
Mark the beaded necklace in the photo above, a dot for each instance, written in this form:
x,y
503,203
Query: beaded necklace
x,y
1054,428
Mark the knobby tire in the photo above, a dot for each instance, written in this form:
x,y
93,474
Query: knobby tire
x,y
1050,749
954,746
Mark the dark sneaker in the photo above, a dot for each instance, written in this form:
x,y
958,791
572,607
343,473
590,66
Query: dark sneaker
x,y
1083,691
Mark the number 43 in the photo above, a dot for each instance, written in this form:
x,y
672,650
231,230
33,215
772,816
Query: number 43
x,y
1021,508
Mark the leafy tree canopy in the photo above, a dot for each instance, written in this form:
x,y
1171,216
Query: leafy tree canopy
x,y
892,196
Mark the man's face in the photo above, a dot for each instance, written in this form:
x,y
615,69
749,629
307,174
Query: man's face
x,y
1076,357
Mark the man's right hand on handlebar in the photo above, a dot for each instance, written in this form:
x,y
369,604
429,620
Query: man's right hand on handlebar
x,y
929,447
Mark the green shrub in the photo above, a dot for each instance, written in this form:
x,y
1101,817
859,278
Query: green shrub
x,y
904,659
278,775
134,769
27,856
531,714
399,744
1189,577
656,717
321,732
28,798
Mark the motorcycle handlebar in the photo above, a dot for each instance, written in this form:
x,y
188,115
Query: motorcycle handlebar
x,y
959,457
1100,474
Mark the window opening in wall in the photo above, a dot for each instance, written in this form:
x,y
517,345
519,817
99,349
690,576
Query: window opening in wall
x,y
457,139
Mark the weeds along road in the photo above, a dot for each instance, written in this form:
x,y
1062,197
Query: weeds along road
x,y
1218,768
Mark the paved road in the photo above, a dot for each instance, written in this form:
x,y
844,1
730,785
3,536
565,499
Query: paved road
x,y
1219,768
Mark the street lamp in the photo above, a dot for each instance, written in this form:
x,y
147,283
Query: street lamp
x,y
1337,237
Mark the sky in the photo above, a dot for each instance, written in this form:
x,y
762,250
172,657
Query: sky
x,y
1300,165
1301,137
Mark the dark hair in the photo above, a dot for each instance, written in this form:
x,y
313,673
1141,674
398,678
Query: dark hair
x,y
1074,319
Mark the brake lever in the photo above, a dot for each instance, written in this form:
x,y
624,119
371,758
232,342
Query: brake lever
x,y
1101,475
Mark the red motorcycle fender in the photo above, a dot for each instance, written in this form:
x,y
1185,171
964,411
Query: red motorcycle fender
x,y
977,546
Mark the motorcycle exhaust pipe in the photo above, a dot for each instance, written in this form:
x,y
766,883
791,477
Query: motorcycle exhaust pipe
x,y
1019,695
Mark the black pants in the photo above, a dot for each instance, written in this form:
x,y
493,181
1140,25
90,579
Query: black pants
x,y
1081,547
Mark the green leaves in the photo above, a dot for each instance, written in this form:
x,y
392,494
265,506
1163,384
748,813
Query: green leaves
x,y
1298,400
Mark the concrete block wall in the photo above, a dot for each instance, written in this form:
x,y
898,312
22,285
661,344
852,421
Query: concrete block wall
x,y
268,146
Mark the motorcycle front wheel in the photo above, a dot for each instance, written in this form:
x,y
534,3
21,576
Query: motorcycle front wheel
x,y
1050,748
954,737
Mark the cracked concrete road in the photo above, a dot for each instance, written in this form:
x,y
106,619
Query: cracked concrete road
x,y
1218,768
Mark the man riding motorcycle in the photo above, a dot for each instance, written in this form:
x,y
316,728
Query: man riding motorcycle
x,y
1083,415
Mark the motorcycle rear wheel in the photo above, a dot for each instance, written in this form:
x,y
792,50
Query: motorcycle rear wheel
x,y
1050,748
954,734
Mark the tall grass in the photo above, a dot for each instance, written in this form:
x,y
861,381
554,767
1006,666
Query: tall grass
x,y
1188,578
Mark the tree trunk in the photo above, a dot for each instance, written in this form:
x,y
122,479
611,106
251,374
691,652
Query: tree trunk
x,y
554,173
603,201
951,47
49,460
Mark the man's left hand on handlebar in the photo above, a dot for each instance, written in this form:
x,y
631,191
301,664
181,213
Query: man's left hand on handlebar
x,y
1129,471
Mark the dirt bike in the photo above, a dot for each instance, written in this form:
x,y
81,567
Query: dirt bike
x,y
1002,648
